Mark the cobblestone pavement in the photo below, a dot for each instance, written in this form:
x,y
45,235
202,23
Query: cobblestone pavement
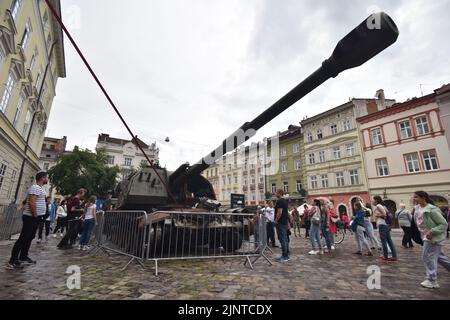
x,y
340,275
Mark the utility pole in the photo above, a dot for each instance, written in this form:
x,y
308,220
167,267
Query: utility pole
x,y
25,158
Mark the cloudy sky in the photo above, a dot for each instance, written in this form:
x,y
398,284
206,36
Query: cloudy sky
x,y
197,70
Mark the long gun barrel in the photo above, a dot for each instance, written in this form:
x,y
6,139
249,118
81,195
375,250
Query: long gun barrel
x,y
372,36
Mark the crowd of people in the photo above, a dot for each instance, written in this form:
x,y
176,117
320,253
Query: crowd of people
x,y
73,218
425,224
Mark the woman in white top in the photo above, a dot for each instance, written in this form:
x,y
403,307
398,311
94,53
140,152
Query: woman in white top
x,y
61,218
384,229
90,220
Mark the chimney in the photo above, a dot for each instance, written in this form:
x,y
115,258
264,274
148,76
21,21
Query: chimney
x,y
381,99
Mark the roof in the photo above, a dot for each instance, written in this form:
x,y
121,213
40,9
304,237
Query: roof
x,y
106,138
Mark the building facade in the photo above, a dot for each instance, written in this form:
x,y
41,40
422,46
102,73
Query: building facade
x,y
126,154
406,149
443,101
288,162
28,31
253,182
212,174
333,154
51,152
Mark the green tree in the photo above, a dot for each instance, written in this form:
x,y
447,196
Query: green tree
x,y
83,169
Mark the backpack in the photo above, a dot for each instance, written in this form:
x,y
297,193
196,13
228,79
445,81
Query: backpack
x,y
389,216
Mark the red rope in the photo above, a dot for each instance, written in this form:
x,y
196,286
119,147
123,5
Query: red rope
x,y
58,18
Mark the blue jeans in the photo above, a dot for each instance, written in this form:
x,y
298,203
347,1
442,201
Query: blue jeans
x,y
87,230
327,235
282,237
385,236
314,235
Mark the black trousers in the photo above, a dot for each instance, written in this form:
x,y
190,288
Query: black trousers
x,y
407,237
43,223
271,233
22,245
61,223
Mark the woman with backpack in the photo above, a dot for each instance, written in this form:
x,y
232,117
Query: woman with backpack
x,y
358,228
432,226
404,221
314,232
383,223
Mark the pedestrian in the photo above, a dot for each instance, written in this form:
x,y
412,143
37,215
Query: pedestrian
x,y
368,226
74,212
270,215
46,220
404,221
90,221
282,225
381,213
306,219
358,227
61,219
314,232
296,221
34,209
334,219
432,226
346,221
325,226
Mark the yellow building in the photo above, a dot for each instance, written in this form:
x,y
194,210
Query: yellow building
x,y
288,165
28,31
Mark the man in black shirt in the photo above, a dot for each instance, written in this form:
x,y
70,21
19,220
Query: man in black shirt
x,y
281,222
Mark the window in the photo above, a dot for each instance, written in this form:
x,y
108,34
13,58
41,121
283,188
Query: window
x,y
245,182
297,164
286,187
144,163
382,167
322,156
261,179
412,162
377,137
229,179
337,153
128,161
405,130
3,168
333,129
298,185
312,158
274,188
430,160
340,179
309,137
224,181
22,99
350,149
110,160
38,79
324,181
422,126
11,185
296,148
354,177
26,125
236,179
347,125
313,182
45,19
8,92
284,167
319,134
26,35
46,165
283,151
15,8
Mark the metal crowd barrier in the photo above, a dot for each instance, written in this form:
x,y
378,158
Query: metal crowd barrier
x,y
175,235
10,221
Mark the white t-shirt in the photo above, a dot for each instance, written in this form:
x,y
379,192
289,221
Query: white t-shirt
x,y
41,207
270,214
420,221
90,212
62,213
378,211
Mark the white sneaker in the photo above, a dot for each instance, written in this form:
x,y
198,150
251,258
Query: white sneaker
x,y
79,247
83,248
333,248
430,284
312,252
38,241
54,236
321,252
